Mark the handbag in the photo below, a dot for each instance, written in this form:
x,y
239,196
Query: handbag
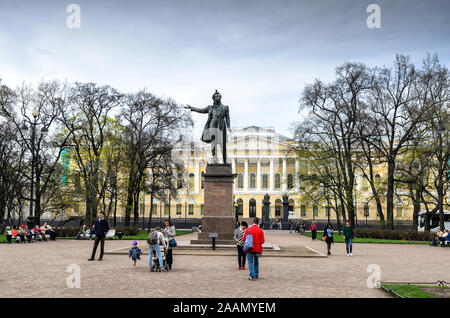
x,y
325,238
248,244
173,243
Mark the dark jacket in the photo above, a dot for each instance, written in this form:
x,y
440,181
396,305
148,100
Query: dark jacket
x,y
329,239
101,227
347,231
135,253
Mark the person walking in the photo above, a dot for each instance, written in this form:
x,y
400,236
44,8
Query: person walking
x,y
101,227
347,231
155,242
255,252
328,237
134,253
169,234
238,235
313,229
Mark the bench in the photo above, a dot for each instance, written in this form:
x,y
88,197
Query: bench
x,y
109,235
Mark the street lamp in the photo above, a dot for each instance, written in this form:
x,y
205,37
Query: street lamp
x,y
34,158
236,212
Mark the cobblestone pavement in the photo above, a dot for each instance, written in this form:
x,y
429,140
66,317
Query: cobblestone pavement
x,y
45,265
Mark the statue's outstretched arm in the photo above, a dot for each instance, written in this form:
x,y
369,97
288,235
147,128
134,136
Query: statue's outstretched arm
x,y
198,110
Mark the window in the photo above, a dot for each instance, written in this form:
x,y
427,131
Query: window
x,y
202,207
240,181
277,181
265,181
399,210
179,181
191,209
179,209
252,208
377,178
290,181
154,209
76,208
203,181
191,181
277,207
328,211
365,184
303,210
252,181
315,210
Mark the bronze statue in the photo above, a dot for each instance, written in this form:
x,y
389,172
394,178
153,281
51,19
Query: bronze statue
x,y
215,131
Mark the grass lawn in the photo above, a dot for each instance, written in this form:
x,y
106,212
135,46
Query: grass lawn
x,y
413,291
339,238
142,235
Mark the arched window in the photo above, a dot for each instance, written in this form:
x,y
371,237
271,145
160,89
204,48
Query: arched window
x,y
252,181
365,184
265,181
252,208
290,181
277,181
278,208
191,181
377,178
240,181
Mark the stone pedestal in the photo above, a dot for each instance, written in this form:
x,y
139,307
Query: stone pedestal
x,y
218,210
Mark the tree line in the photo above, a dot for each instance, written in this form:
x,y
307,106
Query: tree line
x,y
112,141
393,117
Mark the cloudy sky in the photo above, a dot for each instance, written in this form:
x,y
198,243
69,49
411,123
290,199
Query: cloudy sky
x,y
258,53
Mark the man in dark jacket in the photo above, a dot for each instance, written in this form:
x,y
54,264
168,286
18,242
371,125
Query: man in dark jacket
x,y
101,228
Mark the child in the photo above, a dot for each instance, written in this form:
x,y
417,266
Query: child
x,y
135,252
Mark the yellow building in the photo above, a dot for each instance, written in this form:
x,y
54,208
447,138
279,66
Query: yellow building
x,y
263,164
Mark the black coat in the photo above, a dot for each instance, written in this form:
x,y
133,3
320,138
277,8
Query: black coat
x,y
101,227
329,240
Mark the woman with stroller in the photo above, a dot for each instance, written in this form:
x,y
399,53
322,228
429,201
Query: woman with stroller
x,y
169,234
155,242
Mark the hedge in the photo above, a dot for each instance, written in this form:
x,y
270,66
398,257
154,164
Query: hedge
x,y
411,235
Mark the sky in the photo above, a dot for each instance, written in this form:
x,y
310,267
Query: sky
x,y
259,54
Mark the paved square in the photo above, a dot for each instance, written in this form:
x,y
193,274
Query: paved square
x,y
45,264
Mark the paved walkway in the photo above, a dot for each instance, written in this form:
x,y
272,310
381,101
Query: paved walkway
x,y
44,264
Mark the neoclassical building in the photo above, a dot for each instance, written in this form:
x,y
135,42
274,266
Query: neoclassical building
x,y
263,164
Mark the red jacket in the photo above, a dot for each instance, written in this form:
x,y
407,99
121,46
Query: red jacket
x,y
258,238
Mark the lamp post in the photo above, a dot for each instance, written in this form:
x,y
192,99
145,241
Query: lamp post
x,y
34,157
236,212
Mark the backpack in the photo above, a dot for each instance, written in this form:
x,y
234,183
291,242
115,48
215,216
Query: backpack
x,y
153,238
248,244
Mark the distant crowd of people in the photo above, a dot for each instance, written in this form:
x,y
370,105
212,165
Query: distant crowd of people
x,y
24,233
442,238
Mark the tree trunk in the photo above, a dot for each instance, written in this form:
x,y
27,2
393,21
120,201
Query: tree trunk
x,y
390,194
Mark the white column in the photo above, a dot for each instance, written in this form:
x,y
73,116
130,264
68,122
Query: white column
x,y
246,175
271,181
258,175
283,175
197,177
297,171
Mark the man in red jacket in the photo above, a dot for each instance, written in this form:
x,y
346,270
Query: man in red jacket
x,y
254,253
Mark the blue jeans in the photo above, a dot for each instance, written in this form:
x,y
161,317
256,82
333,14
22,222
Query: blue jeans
x,y
348,245
158,254
253,264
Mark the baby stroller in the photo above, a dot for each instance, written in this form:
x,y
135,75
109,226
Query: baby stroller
x,y
155,261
